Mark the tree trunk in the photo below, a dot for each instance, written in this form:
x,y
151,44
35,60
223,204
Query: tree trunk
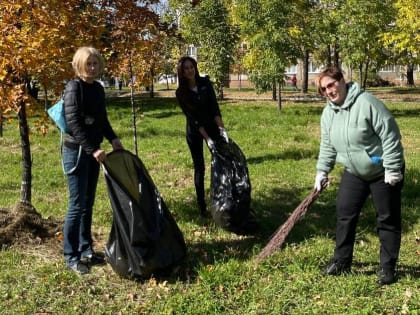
x,y
365,76
305,72
218,86
336,55
133,109
410,75
152,85
361,74
274,90
219,89
329,61
279,98
26,185
45,98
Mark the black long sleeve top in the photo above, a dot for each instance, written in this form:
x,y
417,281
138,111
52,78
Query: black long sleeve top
x,y
201,107
86,116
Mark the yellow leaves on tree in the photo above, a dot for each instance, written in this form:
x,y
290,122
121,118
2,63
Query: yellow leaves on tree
x,y
37,40
404,35
131,37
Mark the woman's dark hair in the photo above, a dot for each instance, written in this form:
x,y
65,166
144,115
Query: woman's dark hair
x,y
332,72
180,70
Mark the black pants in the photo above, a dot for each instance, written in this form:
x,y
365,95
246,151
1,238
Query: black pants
x,y
195,143
352,195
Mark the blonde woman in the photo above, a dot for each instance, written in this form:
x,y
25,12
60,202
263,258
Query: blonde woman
x,y
87,121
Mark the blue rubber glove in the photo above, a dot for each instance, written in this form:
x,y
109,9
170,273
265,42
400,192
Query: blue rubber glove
x,y
376,159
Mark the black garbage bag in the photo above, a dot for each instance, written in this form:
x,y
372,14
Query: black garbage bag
x,y
144,239
230,190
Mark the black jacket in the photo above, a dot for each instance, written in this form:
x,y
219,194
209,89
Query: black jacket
x,y
200,108
86,117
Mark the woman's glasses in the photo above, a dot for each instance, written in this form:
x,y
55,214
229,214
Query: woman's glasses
x,y
328,86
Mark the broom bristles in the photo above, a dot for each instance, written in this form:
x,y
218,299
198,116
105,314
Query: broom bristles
x,y
279,236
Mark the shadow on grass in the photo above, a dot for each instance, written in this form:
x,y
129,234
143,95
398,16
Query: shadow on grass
x,y
275,208
406,112
371,268
297,154
320,217
165,114
403,91
143,104
271,212
149,132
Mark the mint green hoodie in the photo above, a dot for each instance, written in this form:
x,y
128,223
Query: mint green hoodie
x,y
356,131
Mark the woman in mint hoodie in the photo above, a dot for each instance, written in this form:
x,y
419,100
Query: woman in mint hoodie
x,y
359,132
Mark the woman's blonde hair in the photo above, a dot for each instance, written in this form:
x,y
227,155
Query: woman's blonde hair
x,y
80,58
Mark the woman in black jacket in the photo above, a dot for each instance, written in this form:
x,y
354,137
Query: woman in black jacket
x,y
198,102
87,121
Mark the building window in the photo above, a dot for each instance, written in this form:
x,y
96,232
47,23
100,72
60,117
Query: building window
x,y
291,70
388,68
314,67
192,51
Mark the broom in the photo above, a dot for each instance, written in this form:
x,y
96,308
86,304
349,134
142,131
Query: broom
x,y
277,239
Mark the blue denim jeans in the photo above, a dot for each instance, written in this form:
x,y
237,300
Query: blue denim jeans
x,y
82,172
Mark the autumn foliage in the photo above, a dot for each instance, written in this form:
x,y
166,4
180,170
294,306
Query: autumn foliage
x,y
38,39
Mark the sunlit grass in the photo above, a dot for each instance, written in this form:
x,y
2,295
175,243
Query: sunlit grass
x,y
220,274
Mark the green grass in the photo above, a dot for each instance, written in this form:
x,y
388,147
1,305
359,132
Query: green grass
x,y
220,274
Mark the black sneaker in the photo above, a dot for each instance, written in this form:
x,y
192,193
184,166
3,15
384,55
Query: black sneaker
x,y
335,268
93,259
386,276
79,268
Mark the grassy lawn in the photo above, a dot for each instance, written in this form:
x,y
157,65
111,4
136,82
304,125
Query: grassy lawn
x,y
220,274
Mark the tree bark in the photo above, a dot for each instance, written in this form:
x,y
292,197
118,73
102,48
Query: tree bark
x,y
410,75
361,74
279,98
26,185
45,98
336,55
274,90
218,85
133,109
305,72
152,85
329,61
366,74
